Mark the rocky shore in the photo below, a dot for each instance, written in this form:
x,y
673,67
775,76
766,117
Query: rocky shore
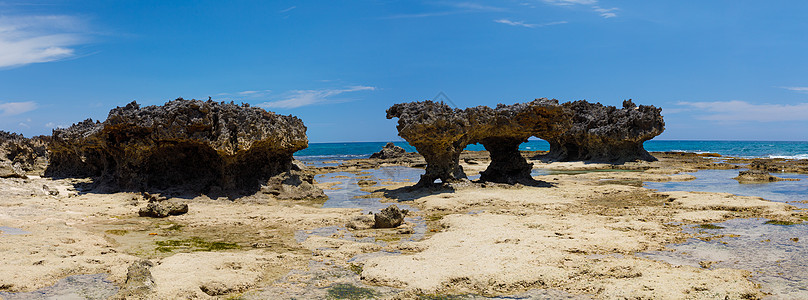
x,y
578,238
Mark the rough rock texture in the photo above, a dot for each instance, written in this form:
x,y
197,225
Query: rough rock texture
x,y
139,281
440,133
389,151
162,209
576,131
390,217
20,155
606,134
758,176
187,145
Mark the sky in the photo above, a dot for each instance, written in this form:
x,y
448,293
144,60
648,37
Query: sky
x,y
720,70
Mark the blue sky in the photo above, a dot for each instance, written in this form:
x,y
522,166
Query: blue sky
x,y
721,70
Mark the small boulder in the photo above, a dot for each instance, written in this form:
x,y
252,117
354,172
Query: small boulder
x,y
11,170
758,176
139,281
360,222
389,151
162,209
390,217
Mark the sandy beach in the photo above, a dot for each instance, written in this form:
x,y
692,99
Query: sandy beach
x,y
581,235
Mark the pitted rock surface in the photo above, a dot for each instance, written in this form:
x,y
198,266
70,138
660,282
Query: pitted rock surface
x,y
389,151
185,145
605,133
20,155
575,130
440,133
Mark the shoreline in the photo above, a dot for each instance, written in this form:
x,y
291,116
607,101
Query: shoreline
x,y
580,237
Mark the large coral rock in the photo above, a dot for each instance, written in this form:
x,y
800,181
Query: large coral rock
x,y
20,155
440,133
187,145
605,133
576,131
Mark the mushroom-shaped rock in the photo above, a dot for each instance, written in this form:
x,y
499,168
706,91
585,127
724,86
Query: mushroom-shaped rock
x,y
187,145
438,132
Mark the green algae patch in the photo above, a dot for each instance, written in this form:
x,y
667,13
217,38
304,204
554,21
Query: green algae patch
x,y
781,223
193,244
710,226
350,291
117,232
356,269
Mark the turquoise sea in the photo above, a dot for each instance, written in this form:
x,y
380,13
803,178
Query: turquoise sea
x,y
766,149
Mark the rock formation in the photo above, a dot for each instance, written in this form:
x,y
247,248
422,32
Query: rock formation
x,y
389,151
759,176
389,217
606,134
440,133
186,145
20,155
576,131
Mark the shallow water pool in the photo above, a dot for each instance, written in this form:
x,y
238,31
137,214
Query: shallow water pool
x,y
720,181
775,254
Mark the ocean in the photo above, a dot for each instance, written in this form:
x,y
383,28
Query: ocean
x,y
747,149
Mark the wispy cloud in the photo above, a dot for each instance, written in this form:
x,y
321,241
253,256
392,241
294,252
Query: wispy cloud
x,y
16,108
300,98
523,24
603,12
36,39
453,9
801,89
247,94
570,2
606,12
287,9
745,111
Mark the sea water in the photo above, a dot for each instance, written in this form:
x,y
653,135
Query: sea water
x,y
318,152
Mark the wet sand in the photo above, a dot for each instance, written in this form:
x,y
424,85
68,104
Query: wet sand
x,y
597,234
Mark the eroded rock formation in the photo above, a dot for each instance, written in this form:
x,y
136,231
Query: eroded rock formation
x,y
20,155
186,145
759,176
605,133
576,131
389,151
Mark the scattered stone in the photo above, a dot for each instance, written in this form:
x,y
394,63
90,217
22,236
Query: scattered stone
x,y
390,217
185,145
50,191
389,151
11,170
139,282
360,223
758,176
366,182
162,209
293,185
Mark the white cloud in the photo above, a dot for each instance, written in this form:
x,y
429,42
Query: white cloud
x,y
16,108
309,97
455,8
523,24
606,12
288,9
801,89
745,111
35,39
515,23
570,2
603,12
475,6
